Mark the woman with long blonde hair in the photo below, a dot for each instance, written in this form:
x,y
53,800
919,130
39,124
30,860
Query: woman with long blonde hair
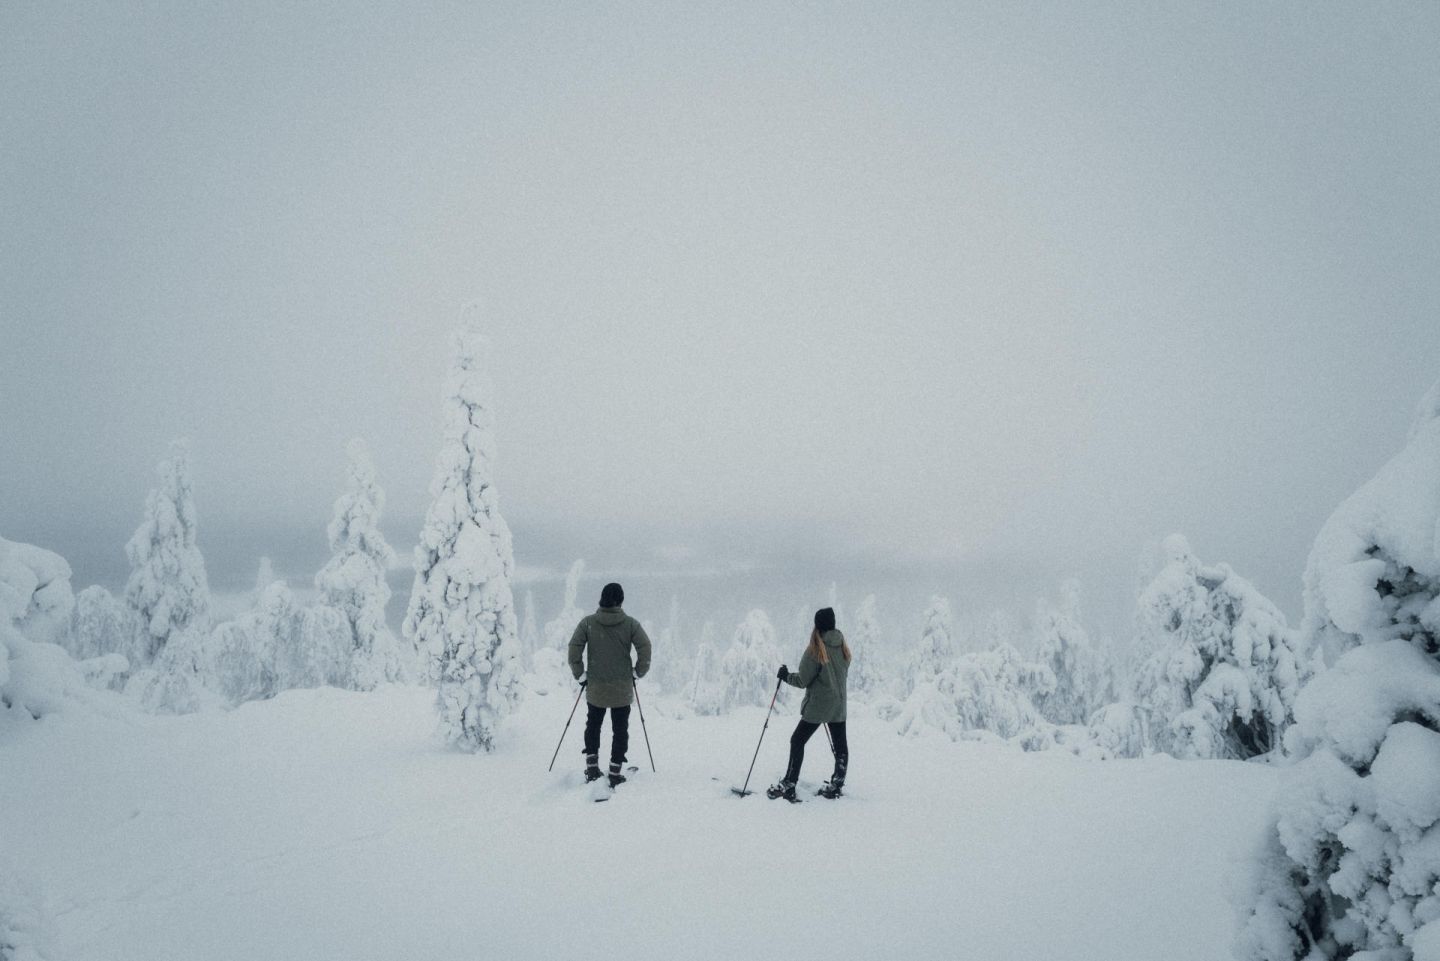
x,y
822,674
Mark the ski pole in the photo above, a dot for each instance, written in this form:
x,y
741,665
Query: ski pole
x,y
745,790
636,688
567,728
829,738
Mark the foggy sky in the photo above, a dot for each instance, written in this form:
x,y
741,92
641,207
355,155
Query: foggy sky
x,y
965,297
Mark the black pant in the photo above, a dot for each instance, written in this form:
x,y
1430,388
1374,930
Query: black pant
x,y
619,731
803,730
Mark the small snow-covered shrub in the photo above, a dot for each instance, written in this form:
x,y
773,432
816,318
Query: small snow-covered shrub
x,y
461,616
978,691
278,646
1351,866
1119,729
103,625
1223,667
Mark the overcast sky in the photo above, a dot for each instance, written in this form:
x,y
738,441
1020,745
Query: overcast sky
x,y
931,294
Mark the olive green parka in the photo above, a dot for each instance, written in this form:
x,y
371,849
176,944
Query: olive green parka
x,y
824,684
609,635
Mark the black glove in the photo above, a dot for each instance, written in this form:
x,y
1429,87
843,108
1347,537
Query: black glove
x,y
583,679
783,673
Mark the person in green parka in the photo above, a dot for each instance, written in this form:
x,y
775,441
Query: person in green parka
x,y
822,674
600,660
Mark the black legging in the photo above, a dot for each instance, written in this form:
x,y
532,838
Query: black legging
x,y
619,731
803,730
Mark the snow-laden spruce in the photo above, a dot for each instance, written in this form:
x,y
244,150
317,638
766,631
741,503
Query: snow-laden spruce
x,y
1063,645
1221,668
866,679
1351,868
529,632
706,694
747,671
461,616
167,585
937,648
559,630
353,580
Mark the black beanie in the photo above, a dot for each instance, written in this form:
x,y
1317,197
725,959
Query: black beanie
x,y
613,595
825,619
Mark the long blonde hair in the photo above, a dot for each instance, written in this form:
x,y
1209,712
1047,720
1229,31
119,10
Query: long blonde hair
x,y
817,647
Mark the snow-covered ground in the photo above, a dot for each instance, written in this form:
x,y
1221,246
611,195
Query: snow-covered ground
x,y
329,824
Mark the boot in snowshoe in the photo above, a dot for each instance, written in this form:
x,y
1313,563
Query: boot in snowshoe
x,y
592,767
833,788
616,778
785,789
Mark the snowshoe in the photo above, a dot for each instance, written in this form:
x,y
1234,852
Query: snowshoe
x,y
616,778
832,789
785,789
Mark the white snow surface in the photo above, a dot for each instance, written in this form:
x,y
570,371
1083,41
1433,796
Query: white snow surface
x,y
330,824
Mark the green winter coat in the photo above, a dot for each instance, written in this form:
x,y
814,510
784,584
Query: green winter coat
x,y
609,634
824,684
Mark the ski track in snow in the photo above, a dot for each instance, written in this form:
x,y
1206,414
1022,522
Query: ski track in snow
x,y
328,824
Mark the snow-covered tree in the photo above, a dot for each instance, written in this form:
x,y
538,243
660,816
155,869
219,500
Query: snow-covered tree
x,y
106,625
867,674
748,668
707,688
35,584
992,691
937,648
1223,669
1351,867
559,630
353,580
979,691
529,632
1063,645
264,577
167,584
834,604
462,608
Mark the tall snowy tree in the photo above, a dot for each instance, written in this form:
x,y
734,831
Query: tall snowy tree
x,y
1351,867
353,580
529,632
559,630
1063,645
867,674
167,585
264,576
462,608
937,648
1223,667
707,690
